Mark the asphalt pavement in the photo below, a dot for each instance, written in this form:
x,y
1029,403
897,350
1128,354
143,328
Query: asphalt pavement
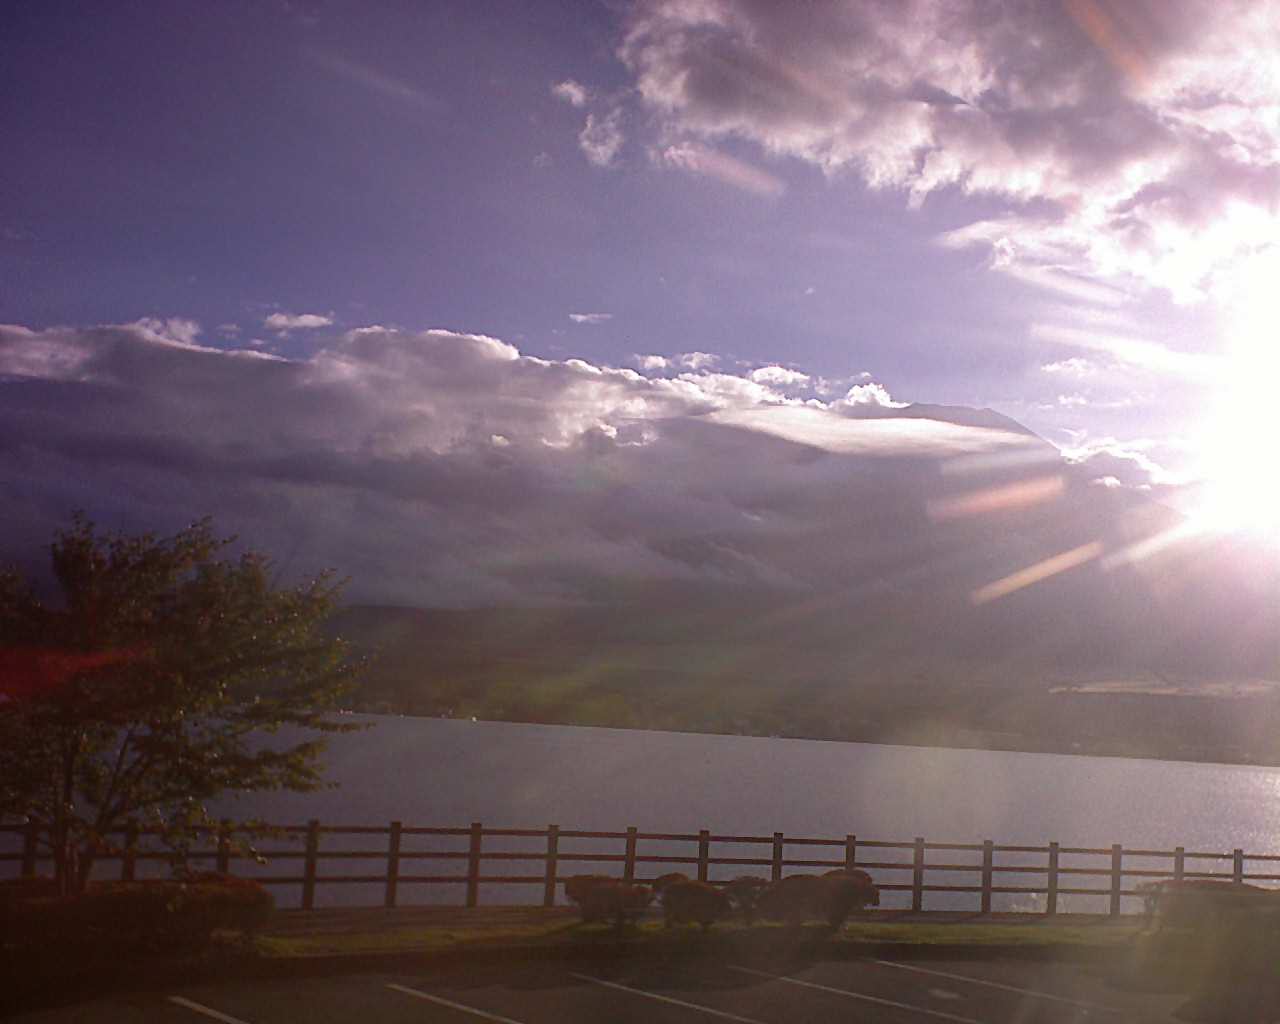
x,y
864,990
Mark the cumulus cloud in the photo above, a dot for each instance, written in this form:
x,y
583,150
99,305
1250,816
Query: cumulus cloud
x,y
651,362
778,376
871,394
601,137
444,467
571,92
1131,464
284,322
590,318
696,360
1132,140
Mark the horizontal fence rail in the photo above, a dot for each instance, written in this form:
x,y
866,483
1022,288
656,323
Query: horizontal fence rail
x,y
478,855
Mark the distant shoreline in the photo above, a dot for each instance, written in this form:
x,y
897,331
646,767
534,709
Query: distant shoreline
x,y
1205,758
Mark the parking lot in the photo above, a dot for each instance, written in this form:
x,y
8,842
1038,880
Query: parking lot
x,y
966,992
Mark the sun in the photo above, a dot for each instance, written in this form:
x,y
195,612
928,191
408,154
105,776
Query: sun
x,y
1239,445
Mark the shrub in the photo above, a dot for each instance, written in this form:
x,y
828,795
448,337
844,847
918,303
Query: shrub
x,y
139,918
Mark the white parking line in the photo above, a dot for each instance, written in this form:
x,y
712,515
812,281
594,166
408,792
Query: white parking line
x,y
208,1011
665,999
858,995
483,1014
996,984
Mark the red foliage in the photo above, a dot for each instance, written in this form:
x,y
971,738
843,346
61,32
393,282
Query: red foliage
x,y
40,671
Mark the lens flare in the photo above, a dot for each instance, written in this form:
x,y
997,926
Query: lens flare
x,y
1238,443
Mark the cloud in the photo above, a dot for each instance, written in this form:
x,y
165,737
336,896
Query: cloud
x,y
872,394
651,362
601,137
1130,464
1141,352
778,376
696,360
438,467
1073,367
377,81
571,92
698,159
284,322
1129,141
590,318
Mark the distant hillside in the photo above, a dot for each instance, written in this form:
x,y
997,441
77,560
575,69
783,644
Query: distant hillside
x,y
918,600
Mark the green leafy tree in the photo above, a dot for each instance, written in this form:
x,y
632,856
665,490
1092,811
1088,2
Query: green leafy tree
x,y
159,679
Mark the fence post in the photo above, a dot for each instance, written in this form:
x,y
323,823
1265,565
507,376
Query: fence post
x,y
850,852
917,876
629,863
1237,866
393,866
1117,878
777,856
309,868
29,840
1179,860
129,859
222,863
1051,897
704,853
553,855
473,865
988,868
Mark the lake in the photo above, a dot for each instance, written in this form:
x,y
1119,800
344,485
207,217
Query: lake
x,y
447,772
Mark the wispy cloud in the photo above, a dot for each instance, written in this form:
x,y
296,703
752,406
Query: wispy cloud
x,y
1150,355
590,318
378,81
699,159
601,137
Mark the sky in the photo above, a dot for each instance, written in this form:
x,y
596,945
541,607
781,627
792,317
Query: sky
x,y
418,230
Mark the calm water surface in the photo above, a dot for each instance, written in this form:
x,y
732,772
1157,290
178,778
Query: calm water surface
x,y
448,772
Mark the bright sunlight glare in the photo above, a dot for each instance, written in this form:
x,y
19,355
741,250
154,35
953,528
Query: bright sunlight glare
x,y
1238,443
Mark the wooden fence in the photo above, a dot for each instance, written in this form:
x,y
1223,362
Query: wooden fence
x,y
994,868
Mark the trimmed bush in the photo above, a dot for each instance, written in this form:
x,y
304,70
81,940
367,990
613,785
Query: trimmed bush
x,y
140,918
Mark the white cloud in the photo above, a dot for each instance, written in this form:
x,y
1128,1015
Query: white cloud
x,y
284,322
573,93
601,137
699,159
1073,367
1142,352
590,318
228,330
1130,463
1134,141
170,330
696,360
778,376
872,394
651,362
492,476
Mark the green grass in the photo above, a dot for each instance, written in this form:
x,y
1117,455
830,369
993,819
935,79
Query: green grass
x,y
651,935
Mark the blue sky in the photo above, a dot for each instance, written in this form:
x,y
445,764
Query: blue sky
x,y
409,164
1051,209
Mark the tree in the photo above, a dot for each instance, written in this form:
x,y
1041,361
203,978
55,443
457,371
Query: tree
x,y
159,680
